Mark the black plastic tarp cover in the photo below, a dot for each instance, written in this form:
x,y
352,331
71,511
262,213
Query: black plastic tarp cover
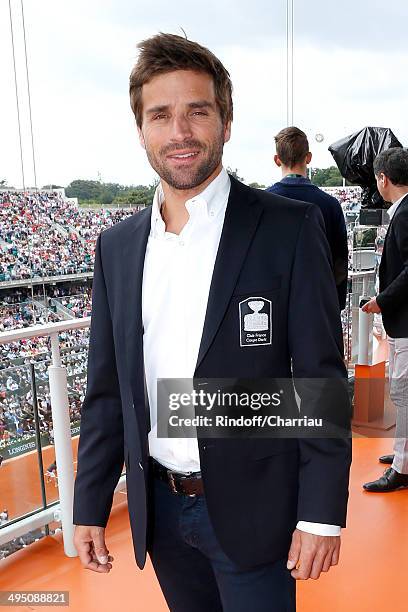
x,y
354,156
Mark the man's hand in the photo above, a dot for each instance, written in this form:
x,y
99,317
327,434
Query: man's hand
x,y
371,306
310,554
90,544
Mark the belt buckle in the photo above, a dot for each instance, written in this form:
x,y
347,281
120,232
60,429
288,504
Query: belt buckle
x,y
172,481
191,494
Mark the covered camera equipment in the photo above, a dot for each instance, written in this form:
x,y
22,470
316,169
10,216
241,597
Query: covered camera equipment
x,y
354,156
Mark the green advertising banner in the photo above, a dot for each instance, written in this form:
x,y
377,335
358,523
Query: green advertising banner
x,y
20,447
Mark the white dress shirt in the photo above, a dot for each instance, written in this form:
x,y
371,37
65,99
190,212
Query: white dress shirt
x,y
176,282
393,208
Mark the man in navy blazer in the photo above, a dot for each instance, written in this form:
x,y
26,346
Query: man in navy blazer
x,y
293,157
229,523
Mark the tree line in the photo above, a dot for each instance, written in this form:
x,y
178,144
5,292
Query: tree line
x,y
110,194
97,193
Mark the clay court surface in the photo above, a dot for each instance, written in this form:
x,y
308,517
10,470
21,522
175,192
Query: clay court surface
x,y
370,578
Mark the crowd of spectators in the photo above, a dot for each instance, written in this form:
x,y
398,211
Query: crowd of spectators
x,y
87,223
43,310
45,234
17,421
17,309
79,305
348,197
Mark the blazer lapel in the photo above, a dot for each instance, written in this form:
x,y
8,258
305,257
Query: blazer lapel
x,y
134,250
403,202
241,219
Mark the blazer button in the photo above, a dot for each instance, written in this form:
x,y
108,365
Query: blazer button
x,y
140,465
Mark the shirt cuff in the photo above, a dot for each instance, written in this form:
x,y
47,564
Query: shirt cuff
x,y
319,528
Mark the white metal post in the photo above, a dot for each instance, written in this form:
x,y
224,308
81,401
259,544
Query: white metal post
x,y
289,61
365,325
62,440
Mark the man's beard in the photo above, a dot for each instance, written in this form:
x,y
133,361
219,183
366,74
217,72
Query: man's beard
x,y
187,178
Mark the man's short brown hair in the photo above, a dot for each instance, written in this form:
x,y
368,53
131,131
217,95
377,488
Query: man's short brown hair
x,y
292,146
167,52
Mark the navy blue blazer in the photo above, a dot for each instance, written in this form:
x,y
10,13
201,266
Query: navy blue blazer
x,y
300,188
256,489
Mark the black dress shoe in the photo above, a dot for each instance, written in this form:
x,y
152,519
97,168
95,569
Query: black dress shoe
x,y
389,481
386,459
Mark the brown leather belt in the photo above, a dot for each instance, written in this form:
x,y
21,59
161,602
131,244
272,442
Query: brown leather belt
x,y
180,484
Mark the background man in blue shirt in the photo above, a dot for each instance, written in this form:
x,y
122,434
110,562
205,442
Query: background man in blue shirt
x,y
293,157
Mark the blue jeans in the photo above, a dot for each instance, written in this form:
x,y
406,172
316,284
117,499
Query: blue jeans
x,y
195,574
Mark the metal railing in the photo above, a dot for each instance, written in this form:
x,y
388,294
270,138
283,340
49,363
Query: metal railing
x,y
62,510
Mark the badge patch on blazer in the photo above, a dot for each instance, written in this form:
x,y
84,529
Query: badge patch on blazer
x,y
255,320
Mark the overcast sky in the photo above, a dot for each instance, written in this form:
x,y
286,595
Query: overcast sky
x,y
350,71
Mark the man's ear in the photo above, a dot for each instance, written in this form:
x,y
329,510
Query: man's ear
x,y
382,179
308,158
277,160
141,137
227,131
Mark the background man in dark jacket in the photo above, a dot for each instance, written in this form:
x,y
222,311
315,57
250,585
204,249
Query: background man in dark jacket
x,y
391,171
293,157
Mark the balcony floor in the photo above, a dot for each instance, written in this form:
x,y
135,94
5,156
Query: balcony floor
x,y
370,577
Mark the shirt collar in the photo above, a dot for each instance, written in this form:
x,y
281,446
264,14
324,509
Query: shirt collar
x,y
291,179
392,209
212,199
